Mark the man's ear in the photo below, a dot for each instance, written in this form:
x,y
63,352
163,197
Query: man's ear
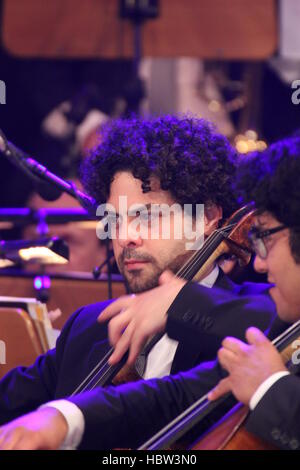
x,y
212,215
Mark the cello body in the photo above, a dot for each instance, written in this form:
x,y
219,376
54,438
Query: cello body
x,y
230,434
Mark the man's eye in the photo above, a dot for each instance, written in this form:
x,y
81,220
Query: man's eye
x,y
149,216
112,221
145,216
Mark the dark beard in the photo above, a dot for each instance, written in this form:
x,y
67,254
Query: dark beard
x,y
133,286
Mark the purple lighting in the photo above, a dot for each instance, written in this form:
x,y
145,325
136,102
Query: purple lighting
x,y
41,282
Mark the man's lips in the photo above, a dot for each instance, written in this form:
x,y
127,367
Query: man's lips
x,y
134,263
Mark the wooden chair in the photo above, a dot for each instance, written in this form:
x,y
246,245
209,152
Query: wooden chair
x,y
19,342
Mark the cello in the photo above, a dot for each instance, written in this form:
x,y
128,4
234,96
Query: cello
x,y
230,238
229,433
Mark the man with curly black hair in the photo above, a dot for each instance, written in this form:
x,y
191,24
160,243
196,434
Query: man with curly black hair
x,y
257,374
167,160
162,161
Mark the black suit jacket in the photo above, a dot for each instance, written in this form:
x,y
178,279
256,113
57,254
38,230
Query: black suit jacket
x,y
126,415
200,319
276,418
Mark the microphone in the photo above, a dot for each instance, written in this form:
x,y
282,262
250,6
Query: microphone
x,y
18,158
42,176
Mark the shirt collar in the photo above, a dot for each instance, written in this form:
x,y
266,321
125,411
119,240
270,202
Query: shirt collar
x,y
211,278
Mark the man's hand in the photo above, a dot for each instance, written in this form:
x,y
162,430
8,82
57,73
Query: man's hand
x,y
249,365
136,318
43,429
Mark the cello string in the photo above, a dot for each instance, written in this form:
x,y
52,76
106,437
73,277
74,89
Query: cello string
x,y
99,364
165,437
188,267
203,251
146,350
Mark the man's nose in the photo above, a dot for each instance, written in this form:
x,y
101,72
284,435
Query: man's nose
x,y
129,235
260,264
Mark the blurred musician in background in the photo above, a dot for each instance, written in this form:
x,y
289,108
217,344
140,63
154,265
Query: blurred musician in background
x,y
86,250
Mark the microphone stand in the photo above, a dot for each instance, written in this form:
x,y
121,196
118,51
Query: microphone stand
x,y
109,282
137,12
98,269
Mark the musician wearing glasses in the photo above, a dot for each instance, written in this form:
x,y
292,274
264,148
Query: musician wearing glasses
x,y
258,376
166,160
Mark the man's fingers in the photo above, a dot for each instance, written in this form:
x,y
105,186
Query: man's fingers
x,y
24,440
137,344
234,345
29,442
122,345
10,439
117,326
115,307
43,429
227,358
2,435
10,444
255,336
221,389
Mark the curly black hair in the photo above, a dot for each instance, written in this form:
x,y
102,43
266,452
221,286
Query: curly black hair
x,y
192,161
272,180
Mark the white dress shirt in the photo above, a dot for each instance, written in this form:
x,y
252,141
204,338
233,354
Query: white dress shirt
x,y
159,364
264,387
160,358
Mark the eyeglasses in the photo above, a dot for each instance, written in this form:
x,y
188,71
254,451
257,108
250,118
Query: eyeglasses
x,y
257,242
